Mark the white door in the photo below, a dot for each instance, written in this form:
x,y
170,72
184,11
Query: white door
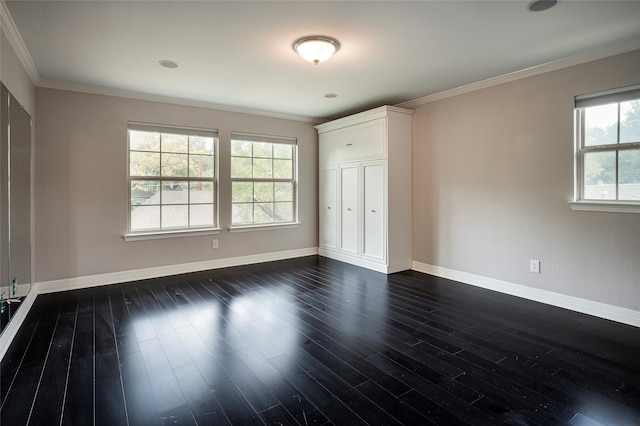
x,y
374,223
349,209
328,208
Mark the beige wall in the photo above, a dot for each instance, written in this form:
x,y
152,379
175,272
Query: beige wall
x,y
493,175
81,188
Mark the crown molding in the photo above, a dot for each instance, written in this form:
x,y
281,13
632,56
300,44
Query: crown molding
x,y
12,33
569,61
99,90
8,26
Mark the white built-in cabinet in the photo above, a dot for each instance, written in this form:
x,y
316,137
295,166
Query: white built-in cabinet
x,y
365,189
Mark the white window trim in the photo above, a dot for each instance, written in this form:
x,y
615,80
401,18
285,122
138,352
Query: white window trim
x,y
606,207
254,137
139,236
180,232
586,205
263,227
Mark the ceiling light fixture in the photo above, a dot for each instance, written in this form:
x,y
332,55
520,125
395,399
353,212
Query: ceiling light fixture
x,y
316,49
540,5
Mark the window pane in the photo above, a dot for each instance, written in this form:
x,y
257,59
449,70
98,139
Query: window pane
x,y
201,145
144,218
201,192
174,165
260,164
144,192
262,168
184,192
175,217
241,148
242,214
262,150
629,175
282,169
283,151
284,212
283,191
201,215
241,168
174,143
144,164
600,176
174,193
242,192
144,141
200,166
601,125
264,213
630,121
263,191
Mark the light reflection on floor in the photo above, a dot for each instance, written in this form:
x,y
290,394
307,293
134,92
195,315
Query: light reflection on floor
x,y
249,322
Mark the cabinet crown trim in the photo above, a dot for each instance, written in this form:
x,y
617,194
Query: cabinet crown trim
x,y
372,114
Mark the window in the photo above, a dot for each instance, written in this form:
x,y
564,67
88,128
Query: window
x,y
172,179
263,185
608,147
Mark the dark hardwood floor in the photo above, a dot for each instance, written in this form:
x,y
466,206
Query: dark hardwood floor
x,y
314,341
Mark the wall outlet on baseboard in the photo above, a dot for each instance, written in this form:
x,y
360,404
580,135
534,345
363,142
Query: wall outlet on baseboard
x,y
215,244
534,266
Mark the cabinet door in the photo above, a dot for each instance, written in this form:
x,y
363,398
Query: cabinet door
x,y
328,208
373,215
349,210
364,140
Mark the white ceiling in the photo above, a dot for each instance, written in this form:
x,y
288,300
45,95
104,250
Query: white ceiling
x,y
239,54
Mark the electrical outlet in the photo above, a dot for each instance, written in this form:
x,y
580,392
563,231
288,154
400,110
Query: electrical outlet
x,y
215,244
535,266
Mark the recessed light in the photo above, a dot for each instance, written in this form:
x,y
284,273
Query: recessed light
x,y
540,5
331,95
168,64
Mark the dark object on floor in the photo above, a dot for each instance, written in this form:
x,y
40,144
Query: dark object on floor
x,y
8,308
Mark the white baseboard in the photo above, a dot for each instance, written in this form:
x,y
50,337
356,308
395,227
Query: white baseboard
x,y
602,310
354,260
133,275
363,262
164,271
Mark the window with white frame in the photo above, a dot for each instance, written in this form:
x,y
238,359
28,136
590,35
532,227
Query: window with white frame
x,y
172,178
263,183
608,146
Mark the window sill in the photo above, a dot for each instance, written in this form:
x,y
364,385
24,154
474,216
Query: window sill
x,y
139,236
605,206
263,227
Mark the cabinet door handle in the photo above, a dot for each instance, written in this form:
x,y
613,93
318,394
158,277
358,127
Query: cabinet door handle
x,y
373,211
329,207
349,209
349,144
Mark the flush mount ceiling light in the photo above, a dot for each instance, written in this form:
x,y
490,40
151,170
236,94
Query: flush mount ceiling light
x,y
316,49
540,5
